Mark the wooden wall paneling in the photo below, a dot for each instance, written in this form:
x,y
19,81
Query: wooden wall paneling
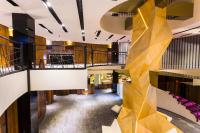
x,y
100,54
49,97
61,92
4,31
40,43
3,128
89,54
41,99
79,55
98,57
34,112
12,118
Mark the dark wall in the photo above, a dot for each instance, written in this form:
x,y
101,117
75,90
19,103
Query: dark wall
x,y
182,53
24,32
177,86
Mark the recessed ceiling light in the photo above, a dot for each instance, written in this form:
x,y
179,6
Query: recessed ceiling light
x,y
48,4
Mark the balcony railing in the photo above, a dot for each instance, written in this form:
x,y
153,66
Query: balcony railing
x,y
76,57
10,57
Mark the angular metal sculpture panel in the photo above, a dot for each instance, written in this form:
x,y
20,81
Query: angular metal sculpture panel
x,y
150,38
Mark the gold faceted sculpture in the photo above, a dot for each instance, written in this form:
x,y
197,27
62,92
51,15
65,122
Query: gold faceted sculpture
x,y
150,38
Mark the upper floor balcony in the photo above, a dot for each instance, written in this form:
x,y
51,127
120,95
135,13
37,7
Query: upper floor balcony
x,y
59,57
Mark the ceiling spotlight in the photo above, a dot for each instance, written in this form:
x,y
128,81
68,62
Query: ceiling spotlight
x,y
82,31
45,4
48,4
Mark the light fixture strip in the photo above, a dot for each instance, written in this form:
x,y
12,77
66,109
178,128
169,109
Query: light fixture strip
x,y
46,28
12,3
110,37
53,13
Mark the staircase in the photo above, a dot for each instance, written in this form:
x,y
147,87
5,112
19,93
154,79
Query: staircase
x,y
170,103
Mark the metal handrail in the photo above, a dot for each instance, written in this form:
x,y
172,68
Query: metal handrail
x,y
10,40
80,58
9,62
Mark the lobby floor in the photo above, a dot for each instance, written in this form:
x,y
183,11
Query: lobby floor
x,y
88,113
79,113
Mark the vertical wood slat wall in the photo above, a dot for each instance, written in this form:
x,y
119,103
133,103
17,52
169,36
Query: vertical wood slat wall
x,y
40,51
182,53
78,51
3,123
5,61
9,120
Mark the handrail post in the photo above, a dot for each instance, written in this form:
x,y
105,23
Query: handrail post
x,y
92,57
85,57
34,56
107,56
21,55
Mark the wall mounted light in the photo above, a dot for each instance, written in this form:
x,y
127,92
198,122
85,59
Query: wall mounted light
x,y
10,30
110,45
69,43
